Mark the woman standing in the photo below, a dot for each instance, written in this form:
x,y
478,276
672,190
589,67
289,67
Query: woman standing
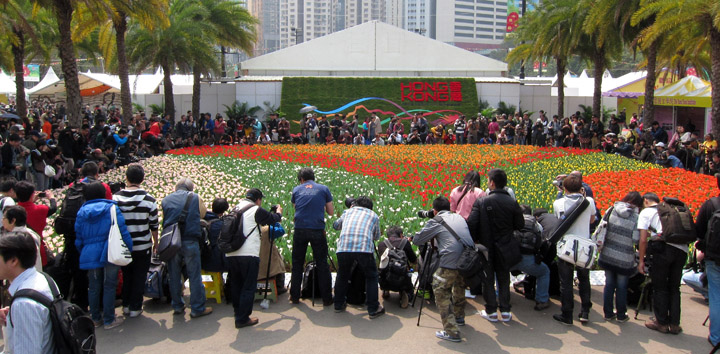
x,y
463,197
617,254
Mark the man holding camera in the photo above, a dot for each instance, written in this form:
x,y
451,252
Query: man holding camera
x,y
492,221
452,235
360,227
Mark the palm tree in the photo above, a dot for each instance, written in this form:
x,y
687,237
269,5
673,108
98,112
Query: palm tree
x,y
172,46
231,26
547,34
148,13
693,28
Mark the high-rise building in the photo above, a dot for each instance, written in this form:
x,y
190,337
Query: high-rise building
x,y
394,13
471,24
303,20
268,29
419,17
361,11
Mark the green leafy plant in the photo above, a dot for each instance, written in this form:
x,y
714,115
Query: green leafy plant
x,y
137,108
237,110
483,105
157,109
504,108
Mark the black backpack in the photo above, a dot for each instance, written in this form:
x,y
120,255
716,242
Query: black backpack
x,y
232,236
74,200
310,287
677,221
73,330
211,258
711,244
394,276
529,236
356,288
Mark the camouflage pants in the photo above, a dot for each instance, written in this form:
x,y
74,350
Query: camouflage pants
x,y
449,289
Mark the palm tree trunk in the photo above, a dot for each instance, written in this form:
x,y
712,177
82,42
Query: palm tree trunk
x,y
125,100
169,99
222,63
196,93
715,80
650,79
561,86
66,52
18,56
599,62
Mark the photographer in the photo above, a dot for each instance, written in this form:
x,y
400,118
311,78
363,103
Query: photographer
x,y
492,222
448,285
530,238
360,227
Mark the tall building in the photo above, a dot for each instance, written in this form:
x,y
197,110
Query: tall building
x,y
472,24
394,13
419,17
303,20
361,11
268,30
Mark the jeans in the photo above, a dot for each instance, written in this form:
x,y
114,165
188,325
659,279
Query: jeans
x,y
103,283
666,273
492,302
712,269
616,286
243,283
521,139
366,262
692,280
459,139
190,254
318,242
134,277
42,182
565,273
541,272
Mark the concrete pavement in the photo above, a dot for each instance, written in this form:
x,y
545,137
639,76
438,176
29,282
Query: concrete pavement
x,y
286,328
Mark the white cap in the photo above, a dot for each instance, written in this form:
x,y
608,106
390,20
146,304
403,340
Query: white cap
x,y
309,115
660,144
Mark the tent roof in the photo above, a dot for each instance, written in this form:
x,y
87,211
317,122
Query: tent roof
x,y
139,84
48,80
371,47
7,84
682,87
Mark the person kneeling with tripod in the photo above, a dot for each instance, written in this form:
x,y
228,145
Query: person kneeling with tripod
x,y
452,236
360,227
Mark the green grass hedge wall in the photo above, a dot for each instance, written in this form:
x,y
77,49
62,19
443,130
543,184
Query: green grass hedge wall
x,y
329,94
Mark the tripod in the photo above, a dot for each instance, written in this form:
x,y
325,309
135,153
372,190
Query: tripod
x,y
644,300
423,277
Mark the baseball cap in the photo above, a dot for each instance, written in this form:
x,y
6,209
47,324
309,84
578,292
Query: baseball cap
x,y
660,144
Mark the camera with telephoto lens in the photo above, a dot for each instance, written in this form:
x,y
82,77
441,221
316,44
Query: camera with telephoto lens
x,y
349,202
426,214
274,208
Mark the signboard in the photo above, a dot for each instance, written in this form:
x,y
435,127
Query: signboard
x,y
31,73
514,12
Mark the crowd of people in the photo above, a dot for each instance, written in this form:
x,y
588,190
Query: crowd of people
x,y
510,236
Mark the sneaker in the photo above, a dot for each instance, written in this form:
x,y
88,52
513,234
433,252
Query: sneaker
x,y
180,311
328,302
294,301
208,310
609,318
505,316
404,299
126,310
98,323
562,319
622,319
460,321
134,314
674,329
539,306
653,324
493,317
118,321
584,317
444,335
341,309
386,294
251,322
378,313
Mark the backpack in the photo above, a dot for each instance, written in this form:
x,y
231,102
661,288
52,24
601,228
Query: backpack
x,y
211,258
677,221
310,287
711,243
156,284
356,287
74,200
529,236
73,329
232,236
394,267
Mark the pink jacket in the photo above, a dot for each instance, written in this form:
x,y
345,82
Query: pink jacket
x,y
464,207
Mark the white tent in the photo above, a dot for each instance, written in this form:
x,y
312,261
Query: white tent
x,y
7,84
48,80
373,49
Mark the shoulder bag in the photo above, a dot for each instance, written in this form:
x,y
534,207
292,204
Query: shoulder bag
x,y
171,239
118,252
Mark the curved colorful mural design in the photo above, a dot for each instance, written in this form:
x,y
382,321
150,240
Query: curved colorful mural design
x,y
445,117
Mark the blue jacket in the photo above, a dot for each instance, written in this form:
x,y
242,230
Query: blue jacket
x,y
92,228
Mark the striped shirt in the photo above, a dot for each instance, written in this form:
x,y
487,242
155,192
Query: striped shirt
x,y
29,329
141,216
359,227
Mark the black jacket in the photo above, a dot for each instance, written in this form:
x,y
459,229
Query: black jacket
x,y
505,216
395,241
701,226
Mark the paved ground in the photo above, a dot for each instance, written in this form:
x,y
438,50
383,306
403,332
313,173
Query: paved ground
x,y
286,328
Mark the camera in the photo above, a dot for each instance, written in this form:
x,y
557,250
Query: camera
x,y
349,202
274,208
426,214
557,182
116,186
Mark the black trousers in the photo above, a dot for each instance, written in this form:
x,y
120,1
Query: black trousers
x,y
134,276
502,298
665,273
75,288
565,272
243,284
318,242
